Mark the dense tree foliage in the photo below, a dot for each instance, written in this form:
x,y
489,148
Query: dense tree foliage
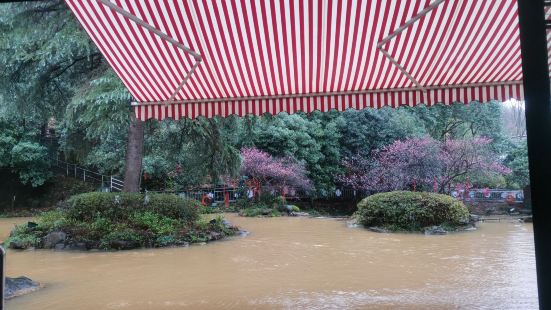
x,y
517,161
21,153
54,80
40,67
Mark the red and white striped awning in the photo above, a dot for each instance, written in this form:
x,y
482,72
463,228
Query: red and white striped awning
x,y
189,58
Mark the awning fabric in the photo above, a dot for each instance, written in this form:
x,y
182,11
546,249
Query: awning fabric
x,y
181,58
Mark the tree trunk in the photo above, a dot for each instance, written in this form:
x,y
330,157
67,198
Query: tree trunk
x,y
134,155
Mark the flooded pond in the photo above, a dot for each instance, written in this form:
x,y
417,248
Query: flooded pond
x,y
293,263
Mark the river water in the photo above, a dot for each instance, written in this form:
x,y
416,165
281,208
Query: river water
x,y
293,263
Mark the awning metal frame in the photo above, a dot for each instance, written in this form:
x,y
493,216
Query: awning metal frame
x,y
401,29
196,56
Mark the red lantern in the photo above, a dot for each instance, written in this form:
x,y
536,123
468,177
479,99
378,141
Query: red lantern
x,y
486,192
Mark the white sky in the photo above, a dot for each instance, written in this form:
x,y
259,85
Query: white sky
x,y
513,102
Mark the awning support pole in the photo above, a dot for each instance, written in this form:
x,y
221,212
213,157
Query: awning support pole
x,y
537,94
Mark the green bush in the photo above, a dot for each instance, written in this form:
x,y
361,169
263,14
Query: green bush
x,y
268,199
102,225
280,201
411,211
205,227
295,208
23,241
118,206
219,208
165,240
154,222
242,202
173,206
51,220
260,211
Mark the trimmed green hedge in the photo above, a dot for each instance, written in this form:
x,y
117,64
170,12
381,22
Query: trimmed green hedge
x,y
411,211
119,206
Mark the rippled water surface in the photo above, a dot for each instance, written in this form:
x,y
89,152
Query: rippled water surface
x,y
293,263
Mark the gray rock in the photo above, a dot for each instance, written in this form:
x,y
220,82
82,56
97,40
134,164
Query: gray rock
x,y
226,223
18,245
79,246
19,286
53,238
59,246
527,219
215,236
243,233
122,245
474,218
378,230
435,230
183,244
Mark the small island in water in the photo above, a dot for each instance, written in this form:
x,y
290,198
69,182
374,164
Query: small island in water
x,y
117,221
406,211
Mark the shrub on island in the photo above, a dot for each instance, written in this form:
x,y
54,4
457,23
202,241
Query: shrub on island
x,y
260,212
120,221
411,211
268,206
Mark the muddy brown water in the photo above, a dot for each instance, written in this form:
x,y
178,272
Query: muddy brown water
x,y
293,263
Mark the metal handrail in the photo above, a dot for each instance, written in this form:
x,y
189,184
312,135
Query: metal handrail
x,y
490,195
340,193
72,170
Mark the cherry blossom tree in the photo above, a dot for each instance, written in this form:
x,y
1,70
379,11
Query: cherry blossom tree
x,y
275,173
422,163
468,159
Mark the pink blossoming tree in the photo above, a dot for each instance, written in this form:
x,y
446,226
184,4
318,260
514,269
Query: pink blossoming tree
x,y
422,163
274,173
